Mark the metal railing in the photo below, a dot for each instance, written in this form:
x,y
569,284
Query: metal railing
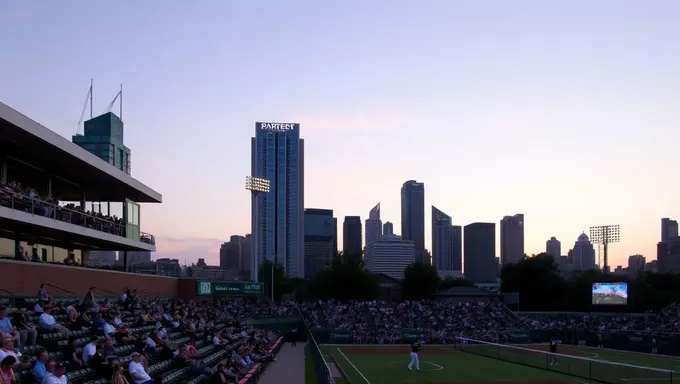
x,y
61,213
61,289
321,370
12,298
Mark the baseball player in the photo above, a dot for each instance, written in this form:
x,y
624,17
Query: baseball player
x,y
415,347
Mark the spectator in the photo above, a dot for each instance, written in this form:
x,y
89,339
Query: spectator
x,y
27,332
7,330
71,354
139,370
6,370
58,376
90,349
39,370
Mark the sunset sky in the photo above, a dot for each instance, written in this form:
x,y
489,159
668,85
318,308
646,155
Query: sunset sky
x,y
565,111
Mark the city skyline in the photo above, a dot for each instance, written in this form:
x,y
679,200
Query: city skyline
x,y
527,105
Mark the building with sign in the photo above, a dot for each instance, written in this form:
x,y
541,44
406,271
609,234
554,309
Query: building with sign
x,y
277,154
319,240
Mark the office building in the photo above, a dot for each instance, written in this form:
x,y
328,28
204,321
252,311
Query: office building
x,y
582,256
413,216
103,137
457,247
235,254
553,247
669,229
512,238
278,156
480,252
388,229
318,240
373,226
351,236
443,241
102,258
335,236
636,264
389,255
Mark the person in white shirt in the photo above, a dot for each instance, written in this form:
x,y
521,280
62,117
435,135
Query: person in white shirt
x,y
58,376
138,371
90,349
108,328
46,320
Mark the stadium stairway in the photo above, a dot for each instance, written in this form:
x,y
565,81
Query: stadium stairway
x,y
368,317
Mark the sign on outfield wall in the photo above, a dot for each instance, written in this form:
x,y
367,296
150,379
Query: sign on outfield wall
x,y
223,288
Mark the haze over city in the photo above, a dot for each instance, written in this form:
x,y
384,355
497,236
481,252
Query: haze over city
x,y
563,111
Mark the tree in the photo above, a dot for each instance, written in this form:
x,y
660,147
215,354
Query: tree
x,y
421,281
538,282
346,279
280,283
451,282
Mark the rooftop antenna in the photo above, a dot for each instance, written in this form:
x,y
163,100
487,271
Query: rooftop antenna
x,y
119,97
88,99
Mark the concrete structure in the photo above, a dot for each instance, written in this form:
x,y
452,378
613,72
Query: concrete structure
x,y
335,236
235,255
480,253
351,236
278,156
388,229
553,247
582,256
512,238
373,226
413,216
34,156
389,255
318,240
636,264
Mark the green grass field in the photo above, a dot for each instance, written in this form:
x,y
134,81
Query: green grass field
x,y
614,300
482,364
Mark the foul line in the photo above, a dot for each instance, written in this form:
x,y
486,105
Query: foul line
x,y
354,366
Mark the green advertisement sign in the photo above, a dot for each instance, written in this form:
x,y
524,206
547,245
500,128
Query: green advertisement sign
x,y
224,288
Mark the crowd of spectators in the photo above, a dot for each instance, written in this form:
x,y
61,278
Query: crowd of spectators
x,y
602,323
440,321
24,198
133,339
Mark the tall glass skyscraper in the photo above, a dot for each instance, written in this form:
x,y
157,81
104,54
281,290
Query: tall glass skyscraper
x,y
278,156
413,217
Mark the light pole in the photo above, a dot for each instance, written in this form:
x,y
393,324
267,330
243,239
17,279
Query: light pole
x,y
256,186
605,235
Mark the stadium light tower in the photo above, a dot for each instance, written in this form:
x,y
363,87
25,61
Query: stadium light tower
x,y
256,186
605,235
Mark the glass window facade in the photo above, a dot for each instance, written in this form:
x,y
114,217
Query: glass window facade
x,y
278,158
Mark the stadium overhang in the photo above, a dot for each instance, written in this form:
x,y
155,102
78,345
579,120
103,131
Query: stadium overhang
x,y
52,153
24,226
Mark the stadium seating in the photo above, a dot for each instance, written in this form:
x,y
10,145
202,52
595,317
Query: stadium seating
x,y
183,342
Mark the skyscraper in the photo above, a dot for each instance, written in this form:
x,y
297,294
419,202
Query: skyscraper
x,y
512,238
669,229
318,240
442,240
373,226
457,247
351,236
389,255
582,256
278,156
388,229
553,247
480,252
335,235
103,137
413,216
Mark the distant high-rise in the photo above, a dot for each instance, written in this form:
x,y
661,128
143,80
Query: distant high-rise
x,y
457,247
278,156
413,216
373,226
388,229
442,240
669,229
335,235
512,238
389,255
234,255
636,263
318,240
480,252
553,247
351,236
582,256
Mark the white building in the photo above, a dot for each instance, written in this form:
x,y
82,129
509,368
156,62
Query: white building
x,y
390,255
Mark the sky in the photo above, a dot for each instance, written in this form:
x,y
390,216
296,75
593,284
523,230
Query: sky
x,y
565,111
